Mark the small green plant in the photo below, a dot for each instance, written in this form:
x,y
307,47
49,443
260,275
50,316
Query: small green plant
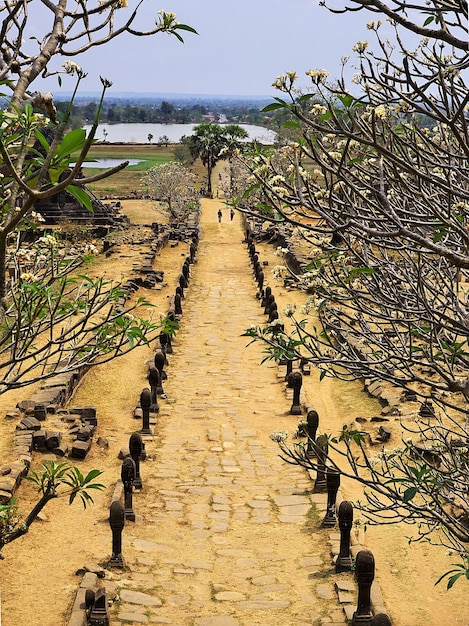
x,y
460,570
52,481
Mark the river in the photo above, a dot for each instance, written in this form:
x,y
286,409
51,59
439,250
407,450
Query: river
x,y
138,133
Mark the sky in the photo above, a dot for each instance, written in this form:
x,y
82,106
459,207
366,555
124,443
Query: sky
x,y
241,47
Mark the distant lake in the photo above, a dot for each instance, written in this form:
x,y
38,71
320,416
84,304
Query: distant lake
x,y
138,133
105,163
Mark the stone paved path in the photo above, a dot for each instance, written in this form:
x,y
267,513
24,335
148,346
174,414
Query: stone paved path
x,y
223,532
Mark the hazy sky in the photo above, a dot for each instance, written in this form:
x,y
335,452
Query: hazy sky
x,y
242,46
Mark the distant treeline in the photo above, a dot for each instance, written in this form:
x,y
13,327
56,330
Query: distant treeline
x,y
168,113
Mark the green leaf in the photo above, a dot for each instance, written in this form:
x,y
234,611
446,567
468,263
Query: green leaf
x,y
305,97
83,198
291,124
186,27
91,475
429,20
42,140
453,579
409,494
72,142
272,107
325,116
347,100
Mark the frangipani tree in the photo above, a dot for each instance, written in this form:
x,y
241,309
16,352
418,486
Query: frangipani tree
x,y
54,318
173,184
377,184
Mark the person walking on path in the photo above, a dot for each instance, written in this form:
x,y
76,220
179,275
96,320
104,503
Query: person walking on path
x,y
220,214
232,213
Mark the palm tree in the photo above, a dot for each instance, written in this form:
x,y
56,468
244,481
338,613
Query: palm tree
x,y
235,135
207,143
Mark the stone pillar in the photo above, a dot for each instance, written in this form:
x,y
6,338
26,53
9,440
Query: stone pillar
x,y
268,301
296,381
163,338
333,484
99,615
183,282
128,476
185,270
116,522
312,419
266,294
192,251
165,343
154,381
145,403
344,559
177,304
322,449
364,573
289,370
273,309
160,362
260,280
136,448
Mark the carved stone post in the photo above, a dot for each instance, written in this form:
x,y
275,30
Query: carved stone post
x,y
296,381
192,251
163,338
273,312
268,301
312,420
333,484
265,295
364,573
186,271
177,304
165,343
116,522
99,615
322,449
305,367
160,362
183,282
135,448
145,403
128,476
260,280
289,370
344,559
154,381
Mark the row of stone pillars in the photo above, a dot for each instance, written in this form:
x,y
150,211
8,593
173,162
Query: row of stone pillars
x,y
327,476
130,473
122,511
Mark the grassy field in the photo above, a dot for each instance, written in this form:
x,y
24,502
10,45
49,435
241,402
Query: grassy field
x,y
127,182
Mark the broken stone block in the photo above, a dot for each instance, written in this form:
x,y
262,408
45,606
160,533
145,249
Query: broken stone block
x,y
80,449
39,440
40,412
384,433
84,433
53,439
29,423
88,415
5,496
